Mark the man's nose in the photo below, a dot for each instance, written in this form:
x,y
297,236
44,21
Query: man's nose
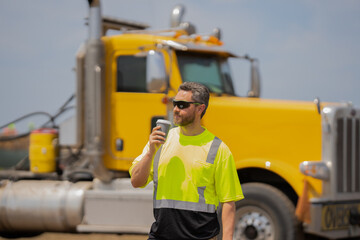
x,y
176,109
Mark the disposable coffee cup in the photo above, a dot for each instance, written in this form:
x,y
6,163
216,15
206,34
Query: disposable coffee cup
x,y
164,125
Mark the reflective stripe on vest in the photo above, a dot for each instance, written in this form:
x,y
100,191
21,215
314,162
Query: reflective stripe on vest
x,y
200,206
213,150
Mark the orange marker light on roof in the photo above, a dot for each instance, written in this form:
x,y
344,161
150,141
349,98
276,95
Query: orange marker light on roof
x,y
177,34
213,39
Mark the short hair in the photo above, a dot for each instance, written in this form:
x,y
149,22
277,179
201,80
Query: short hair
x,y
200,93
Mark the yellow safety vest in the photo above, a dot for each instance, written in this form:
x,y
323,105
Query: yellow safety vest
x,y
193,173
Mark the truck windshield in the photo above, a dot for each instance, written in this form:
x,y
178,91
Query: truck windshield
x,y
209,69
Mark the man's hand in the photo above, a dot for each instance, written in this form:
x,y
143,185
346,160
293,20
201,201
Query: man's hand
x,y
141,171
156,138
228,220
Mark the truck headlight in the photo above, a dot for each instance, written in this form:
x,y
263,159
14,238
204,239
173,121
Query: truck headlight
x,y
315,169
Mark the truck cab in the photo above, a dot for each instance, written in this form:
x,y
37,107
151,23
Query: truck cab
x,y
136,97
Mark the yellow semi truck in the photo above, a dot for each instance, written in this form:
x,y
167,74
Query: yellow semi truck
x,y
289,154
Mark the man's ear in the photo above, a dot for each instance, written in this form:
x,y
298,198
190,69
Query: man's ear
x,y
201,108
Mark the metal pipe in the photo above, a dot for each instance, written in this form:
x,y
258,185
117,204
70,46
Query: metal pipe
x,y
95,20
94,94
80,72
255,79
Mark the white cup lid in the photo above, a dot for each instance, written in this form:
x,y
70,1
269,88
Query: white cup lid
x,y
163,121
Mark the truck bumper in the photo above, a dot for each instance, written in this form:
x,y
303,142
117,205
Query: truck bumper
x,y
334,220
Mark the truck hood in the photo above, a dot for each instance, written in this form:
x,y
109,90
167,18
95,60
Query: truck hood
x,y
266,130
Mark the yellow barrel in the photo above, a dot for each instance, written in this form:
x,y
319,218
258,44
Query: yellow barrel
x,y
43,150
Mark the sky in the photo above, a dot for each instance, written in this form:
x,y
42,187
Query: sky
x,y
306,49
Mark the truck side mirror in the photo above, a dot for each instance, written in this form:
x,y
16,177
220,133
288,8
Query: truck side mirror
x,y
156,77
255,79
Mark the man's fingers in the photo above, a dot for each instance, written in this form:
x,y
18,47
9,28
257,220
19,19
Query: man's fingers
x,y
157,136
156,128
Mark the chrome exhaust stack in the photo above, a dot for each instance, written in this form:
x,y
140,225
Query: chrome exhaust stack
x,y
176,20
177,16
94,94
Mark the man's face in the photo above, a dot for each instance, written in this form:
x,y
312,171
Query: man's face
x,y
186,116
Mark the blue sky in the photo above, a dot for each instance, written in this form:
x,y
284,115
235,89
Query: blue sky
x,y
306,48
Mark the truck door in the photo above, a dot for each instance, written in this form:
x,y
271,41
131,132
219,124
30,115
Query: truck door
x,y
132,112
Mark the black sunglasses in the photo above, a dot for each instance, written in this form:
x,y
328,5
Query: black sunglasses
x,y
183,104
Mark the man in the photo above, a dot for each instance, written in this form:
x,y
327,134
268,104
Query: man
x,y
192,171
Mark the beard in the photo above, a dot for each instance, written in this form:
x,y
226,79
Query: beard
x,y
183,120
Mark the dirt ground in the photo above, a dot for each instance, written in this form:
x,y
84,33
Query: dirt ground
x,y
90,236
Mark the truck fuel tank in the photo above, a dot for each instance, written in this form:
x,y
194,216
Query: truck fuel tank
x,y
33,205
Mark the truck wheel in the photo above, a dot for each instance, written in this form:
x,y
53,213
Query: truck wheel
x,y
265,213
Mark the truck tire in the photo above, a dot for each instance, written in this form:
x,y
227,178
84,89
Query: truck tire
x,y
266,213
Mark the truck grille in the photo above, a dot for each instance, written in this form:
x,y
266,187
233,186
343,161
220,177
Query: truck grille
x,y
348,155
